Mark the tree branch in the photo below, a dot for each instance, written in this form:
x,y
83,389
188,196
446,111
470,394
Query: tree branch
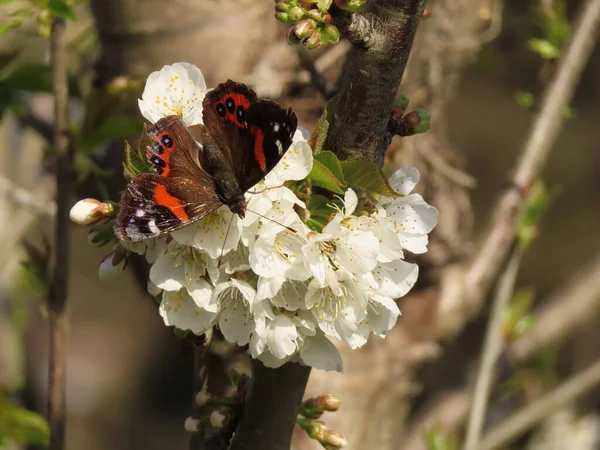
x,y
57,298
271,406
492,349
558,94
372,77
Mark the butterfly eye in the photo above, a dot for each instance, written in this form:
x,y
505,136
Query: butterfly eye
x,y
221,110
230,105
167,141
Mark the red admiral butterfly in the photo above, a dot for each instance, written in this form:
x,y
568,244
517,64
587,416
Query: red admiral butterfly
x,y
243,140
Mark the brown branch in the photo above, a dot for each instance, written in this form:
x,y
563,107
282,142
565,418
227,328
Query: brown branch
x,y
371,79
558,94
568,309
201,354
523,420
271,406
492,349
367,94
57,299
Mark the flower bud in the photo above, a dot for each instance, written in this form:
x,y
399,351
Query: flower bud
x,y
317,15
192,424
333,440
291,37
314,407
90,210
203,398
282,6
85,211
218,419
304,29
316,430
314,40
113,264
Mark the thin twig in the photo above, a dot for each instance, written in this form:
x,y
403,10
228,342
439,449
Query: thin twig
x,y
525,419
25,198
57,299
40,126
499,237
570,307
492,349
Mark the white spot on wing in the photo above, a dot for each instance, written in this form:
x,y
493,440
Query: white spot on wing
x,y
279,146
275,127
152,226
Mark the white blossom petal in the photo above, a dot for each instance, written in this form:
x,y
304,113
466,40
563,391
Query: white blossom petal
x,y
404,180
296,164
178,309
177,89
320,353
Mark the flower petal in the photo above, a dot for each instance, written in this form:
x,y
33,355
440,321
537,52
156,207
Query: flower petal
x,y
320,353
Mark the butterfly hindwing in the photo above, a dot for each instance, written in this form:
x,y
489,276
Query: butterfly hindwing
x,y
272,129
247,137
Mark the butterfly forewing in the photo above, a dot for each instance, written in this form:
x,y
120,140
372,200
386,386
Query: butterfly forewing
x,y
178,191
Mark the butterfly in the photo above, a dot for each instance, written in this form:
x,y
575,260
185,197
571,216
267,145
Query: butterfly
x,y
243,139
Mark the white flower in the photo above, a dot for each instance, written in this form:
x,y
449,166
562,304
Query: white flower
x,y
320,353
233,300
278,251
178,89
179,309
186,267
296,163
340,310
217,234
410,217
338,249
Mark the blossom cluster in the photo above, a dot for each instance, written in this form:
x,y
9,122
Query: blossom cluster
x,y
269,281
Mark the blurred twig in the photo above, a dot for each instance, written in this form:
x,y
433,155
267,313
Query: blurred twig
x,y
200,349
529,416
492,349
25,198
569,308
507,213
57,298
40,126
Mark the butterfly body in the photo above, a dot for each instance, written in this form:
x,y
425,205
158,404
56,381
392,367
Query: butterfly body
x,y
243,139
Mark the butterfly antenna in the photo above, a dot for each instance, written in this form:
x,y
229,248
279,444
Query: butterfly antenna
x,y
225,241
274,221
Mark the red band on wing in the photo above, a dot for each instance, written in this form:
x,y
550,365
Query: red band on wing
x,y
163,198
259,152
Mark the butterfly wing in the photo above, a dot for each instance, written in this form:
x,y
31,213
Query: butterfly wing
x,y
244,137
177,193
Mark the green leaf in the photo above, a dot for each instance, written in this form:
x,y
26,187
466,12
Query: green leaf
x,y
22,425
317,139
525,99
330,160
115,127
363,174
135,162
544,48
324,5
322,177
60,8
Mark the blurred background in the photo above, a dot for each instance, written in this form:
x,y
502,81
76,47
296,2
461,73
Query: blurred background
x,y
478,66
